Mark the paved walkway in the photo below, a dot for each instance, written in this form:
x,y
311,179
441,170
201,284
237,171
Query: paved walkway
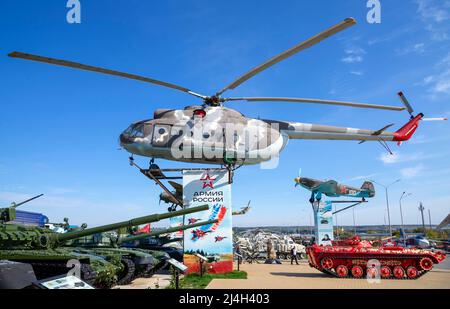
x,y
157,281
286,276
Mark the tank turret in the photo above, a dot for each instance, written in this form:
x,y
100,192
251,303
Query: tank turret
x,y
14,236
45,250
139,262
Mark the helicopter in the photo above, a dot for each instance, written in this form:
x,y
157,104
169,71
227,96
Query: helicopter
x,y
210,133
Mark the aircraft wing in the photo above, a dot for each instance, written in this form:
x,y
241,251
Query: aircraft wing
x,y
242,211
178,187
327,187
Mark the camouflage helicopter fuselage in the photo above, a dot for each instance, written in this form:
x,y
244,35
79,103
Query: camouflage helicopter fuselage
x,y
218,135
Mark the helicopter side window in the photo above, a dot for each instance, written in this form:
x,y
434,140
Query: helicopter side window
x,y
147,129
161,135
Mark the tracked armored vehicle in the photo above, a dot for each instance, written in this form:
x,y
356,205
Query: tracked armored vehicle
x,y
356,258
138,262
42,248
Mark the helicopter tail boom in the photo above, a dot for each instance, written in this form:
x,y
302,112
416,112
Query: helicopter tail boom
x,y
321,132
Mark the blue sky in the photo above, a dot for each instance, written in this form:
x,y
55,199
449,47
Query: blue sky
x,y
59,127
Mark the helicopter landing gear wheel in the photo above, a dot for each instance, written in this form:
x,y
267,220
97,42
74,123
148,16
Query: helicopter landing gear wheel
x,y
342,271
412,272
426,263
399,272
385,272
357,272
327,263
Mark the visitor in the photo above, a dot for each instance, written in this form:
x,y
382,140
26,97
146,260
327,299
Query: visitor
x,y
294,255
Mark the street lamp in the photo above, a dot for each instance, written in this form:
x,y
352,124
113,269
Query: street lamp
x,y
387,201
404,194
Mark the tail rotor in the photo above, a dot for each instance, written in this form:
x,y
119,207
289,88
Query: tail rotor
x,y
411,110
406,103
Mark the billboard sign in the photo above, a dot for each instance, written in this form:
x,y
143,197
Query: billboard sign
x,y
214,241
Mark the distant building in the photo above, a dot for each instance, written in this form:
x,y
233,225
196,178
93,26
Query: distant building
x,y
445,224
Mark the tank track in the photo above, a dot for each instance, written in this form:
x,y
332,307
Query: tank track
x,y
145,271
45,270
380,258
154,268
128,273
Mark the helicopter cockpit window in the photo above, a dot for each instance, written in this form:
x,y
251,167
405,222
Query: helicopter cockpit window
x,y
135,130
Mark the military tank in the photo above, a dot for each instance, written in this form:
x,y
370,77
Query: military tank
x,y
42,248
138,262
356,258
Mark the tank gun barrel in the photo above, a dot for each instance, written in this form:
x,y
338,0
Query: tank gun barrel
x,y
14,205
60,238
166,231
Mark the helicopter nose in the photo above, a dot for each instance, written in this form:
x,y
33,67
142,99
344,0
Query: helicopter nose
x,y
125,139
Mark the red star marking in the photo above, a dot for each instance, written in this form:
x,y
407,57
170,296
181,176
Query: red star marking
x,y
208,181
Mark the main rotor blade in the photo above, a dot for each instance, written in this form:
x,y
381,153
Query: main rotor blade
x,y
318,101
292,51
85,67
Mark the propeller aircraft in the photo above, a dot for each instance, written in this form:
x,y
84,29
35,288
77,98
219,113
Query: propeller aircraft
x,y
242,211
332,188
211,133
167,197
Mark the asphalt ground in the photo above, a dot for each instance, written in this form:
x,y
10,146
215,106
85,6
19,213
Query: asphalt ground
x,y
287,276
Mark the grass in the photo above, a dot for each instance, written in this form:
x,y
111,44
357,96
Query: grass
x,y
194,281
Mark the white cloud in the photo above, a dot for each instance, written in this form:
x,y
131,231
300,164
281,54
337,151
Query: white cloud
x,y
436,11
357,73
439,83
427,80
352,59
388,158
442,86
393,34
411,172
435,14
363,177
354,55
418,48
396,157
